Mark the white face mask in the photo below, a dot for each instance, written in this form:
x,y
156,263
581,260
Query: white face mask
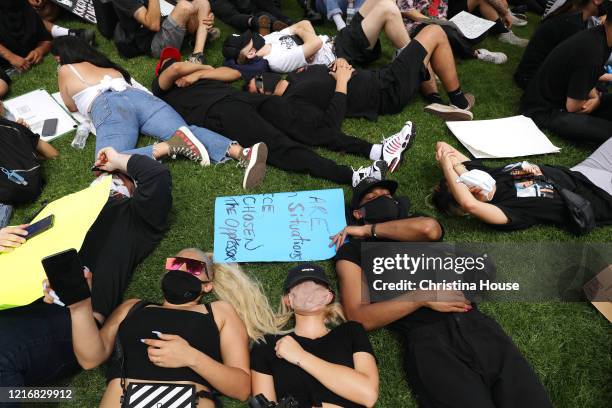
x,y
479,179
309,298
117,186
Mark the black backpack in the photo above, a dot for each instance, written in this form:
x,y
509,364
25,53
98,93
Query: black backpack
x,y
20,173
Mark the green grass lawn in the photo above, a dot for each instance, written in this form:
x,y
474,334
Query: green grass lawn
x,y
568,344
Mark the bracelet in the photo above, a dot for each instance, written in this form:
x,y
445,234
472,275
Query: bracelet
x,y
373,231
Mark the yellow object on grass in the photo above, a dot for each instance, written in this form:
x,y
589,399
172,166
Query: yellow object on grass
x,y
21,270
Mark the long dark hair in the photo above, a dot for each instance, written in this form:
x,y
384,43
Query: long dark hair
x,y
570,6
72,50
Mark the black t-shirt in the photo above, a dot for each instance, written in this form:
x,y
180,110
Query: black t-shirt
x,y
18,153
547,36
351,252
317,86
136,38
336,347
528,201
570,70
126,231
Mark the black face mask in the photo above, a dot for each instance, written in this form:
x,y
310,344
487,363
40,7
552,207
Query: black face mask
x,y
382,209
604,8
181,287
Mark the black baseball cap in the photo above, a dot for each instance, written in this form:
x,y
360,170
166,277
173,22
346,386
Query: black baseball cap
x,y
235,42
305,272
366,185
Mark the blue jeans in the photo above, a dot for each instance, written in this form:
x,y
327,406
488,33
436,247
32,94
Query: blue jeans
x,y
331,7
120,117
5,214
35,345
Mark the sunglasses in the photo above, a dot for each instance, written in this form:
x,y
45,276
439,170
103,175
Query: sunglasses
x,y
194,266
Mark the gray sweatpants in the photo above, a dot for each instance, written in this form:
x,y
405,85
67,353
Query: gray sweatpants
x,y
598,167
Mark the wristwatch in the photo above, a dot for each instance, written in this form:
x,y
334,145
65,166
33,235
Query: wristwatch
x,y
373,231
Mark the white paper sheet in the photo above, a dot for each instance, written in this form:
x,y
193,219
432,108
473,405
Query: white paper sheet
x,y
470,25
165,8
37,106
516,136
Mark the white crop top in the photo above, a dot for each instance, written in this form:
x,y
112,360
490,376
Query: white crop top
x,y
85,98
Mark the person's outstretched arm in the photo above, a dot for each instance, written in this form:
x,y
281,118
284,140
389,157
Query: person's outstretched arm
x,y
149,16
305,30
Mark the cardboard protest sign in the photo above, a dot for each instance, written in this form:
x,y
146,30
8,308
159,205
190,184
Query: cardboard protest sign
x,y
278,227
21,271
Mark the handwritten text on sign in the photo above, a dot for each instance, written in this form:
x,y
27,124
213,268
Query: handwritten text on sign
x,y
293,226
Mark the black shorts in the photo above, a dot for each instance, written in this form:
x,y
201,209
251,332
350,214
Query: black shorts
x,y
352,44
401,79
455,7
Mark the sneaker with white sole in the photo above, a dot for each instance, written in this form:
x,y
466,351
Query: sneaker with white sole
x,y
378,170
394,146
518,21
511,38
490,56
184,143
449,112
253,159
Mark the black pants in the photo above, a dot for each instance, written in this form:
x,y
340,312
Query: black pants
x,y
467,360
238,120
596,127
35,345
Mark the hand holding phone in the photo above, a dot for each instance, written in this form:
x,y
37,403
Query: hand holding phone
x,y
39,226
66,276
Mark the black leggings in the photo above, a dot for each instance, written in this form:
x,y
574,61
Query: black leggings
x,y
239,121
467,360
579,127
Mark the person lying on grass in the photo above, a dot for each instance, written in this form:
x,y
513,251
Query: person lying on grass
x,y
181,340
522,194
120,110
325,361
454,355
35,339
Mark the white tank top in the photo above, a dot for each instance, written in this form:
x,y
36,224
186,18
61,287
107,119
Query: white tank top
x,y
85,98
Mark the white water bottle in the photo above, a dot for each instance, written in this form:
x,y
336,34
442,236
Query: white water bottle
x,y
81,136
350,11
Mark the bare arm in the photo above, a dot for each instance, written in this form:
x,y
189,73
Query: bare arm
x,y
150,16
91,346
355,300
224,74
45,150
263,384
232,377
485,212
312,43
574,105
414,15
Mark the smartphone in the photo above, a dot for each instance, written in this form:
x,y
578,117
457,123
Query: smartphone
x,y
39,226
49,127
65,273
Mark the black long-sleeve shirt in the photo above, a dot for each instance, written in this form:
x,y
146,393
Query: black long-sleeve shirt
x,y
126,231
237,12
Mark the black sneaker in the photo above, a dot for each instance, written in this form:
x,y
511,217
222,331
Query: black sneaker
x,y
253,159
89,36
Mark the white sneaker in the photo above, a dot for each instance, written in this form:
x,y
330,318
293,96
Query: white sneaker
x,y
394,146
518,21
449,112
377,170
488,56
511,38
253,159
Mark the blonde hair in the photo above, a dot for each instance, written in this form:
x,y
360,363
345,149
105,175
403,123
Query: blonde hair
x,y
246,295
333,315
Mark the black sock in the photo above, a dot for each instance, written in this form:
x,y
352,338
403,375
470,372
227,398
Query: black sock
x,y
434,97
457,98
498,28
